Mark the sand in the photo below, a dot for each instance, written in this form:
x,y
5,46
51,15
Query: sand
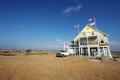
x,y
49,67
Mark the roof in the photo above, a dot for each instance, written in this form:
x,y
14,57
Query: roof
x,y
101,32
98,30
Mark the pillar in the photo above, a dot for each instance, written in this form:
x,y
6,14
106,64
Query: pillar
x,y
109,53
98,49
79,48
88,51
104,52
74,50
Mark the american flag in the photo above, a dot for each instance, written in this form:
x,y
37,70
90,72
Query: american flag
x,y
92,19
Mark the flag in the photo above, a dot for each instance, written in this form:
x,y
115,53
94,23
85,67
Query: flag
x,y
92,21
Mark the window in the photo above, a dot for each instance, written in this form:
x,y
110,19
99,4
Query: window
x,y
93,33
83,34
102,41
77,42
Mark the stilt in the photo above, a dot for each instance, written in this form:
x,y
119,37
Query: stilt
x,y
74,51
64,46
109,53
104,52
79,48
67,46
88,48
88,51
74,48
98,48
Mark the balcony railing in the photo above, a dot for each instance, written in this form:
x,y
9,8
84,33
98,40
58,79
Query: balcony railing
x,y
89,43
92,43
104,44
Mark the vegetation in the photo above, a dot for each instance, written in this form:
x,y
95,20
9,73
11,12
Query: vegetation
x,y
22,52
7,53
28,50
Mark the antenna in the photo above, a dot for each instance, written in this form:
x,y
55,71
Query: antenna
x,y
77,26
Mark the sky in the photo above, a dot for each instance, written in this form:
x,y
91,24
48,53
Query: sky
x,y
46,24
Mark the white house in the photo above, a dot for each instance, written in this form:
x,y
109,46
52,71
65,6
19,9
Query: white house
x,y
90,41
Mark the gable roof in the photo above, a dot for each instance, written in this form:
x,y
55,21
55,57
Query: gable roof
x,y
101,32
97,30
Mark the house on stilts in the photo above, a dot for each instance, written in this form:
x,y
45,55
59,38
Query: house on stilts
x,y
90,42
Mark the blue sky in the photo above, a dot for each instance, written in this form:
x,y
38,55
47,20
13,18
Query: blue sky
x,y
46,24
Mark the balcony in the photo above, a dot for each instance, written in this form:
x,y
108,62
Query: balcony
x,y
84,43
89,43
104,44
92,43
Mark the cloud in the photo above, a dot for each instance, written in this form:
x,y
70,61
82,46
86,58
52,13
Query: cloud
x,y
114,46
59,41
72,9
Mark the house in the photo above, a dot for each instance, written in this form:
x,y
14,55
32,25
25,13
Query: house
x,y
90,42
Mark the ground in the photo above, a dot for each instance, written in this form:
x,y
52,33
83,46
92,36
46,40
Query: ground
x,y
49,67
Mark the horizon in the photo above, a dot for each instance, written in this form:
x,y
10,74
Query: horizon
x,y
46,24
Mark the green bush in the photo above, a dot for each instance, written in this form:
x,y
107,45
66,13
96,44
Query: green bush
x,y
7,53
28,50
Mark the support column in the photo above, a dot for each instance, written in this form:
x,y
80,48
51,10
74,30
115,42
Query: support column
x,y
88,51
104,51
74,49
67,46
64,46
109,53
98,48
88,48
79,48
